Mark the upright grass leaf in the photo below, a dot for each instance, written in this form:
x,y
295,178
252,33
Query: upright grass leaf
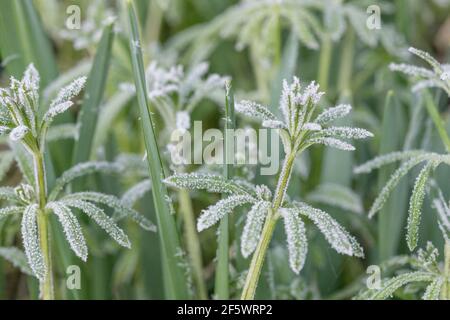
x,y
95,87
392,216
176,286
221,288
23,40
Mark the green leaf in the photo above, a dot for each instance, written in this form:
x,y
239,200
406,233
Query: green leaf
x,y
391,219
176,284
93,94
415,205
221,285
23,40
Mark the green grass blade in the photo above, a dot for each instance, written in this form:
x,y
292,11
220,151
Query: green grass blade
x,y
221,289
93,94
23,40
392,217
176,285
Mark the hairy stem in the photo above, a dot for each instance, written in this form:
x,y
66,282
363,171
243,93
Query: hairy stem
x,y
46,286
192,242
257,262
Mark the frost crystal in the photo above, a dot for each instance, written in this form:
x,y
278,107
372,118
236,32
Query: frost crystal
x,y
71,227
183,121
104,221
253,227
437,77
296,239
208,182
335,143
18,133
69,92
214,213
334,113
57,109
31,242
335,234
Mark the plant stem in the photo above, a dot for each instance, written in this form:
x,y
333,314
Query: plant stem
x,y
346,65
251,282
221,283
437,120
46,286
192,242
324,62
445,293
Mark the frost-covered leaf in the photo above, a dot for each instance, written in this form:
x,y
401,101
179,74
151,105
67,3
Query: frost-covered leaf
x,y
80,170
6,212
31,78
296,238
385,159
427,57
433,290
31,242
331,114
333,143
255,111
8,193
444,215
346,132
392,285
18,133
17,258
392,183
114,203
57,109
336,195
102,219
71,227
68,92
253,227
214,213
415,205
335,234
208,182
411,70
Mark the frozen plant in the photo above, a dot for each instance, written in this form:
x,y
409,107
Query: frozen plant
x,y
299,128
438,76
413,158
175,93
21,120
410,159
88,35
256,25
419,274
